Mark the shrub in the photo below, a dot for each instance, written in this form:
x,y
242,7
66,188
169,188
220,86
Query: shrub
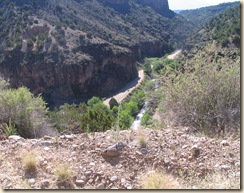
x,y
26,112
125,119
54,48
159,64
131,107
89,35
97,118
205,96
147,68
91,117
225,42
67,117
94,101
9,129
30,43
139,98
146,119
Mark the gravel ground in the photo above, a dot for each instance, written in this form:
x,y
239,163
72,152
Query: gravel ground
x,y
188,157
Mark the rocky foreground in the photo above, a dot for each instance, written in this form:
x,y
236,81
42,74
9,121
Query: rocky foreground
x,y
193,160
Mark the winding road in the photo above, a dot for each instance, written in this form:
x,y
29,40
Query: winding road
x,y
122,93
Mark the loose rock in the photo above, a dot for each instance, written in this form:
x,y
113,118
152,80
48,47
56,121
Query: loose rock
x,y
144,151
46,148
113,178
100,186
31,181
15,137
225,143
80,182
45,183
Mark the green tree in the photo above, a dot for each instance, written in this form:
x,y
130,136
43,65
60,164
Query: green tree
x,y
125,119
139,98
132,108
94,101
113,102
98,119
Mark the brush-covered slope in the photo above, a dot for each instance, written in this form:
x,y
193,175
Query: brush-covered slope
x,y
205,93
202,15
220,36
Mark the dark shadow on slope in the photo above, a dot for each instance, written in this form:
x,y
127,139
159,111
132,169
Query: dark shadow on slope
x,y
112,160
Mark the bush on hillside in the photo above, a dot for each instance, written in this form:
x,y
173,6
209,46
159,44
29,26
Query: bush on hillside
x,y
67,118
125,119
130,108
205,97
91,117
26,113
146,119
159,65
99,117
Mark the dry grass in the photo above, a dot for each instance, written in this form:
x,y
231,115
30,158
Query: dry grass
x,y
158,180
221,180
63,173
29,161
142,141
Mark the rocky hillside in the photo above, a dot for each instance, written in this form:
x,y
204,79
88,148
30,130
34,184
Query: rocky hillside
x,y
203,15
189,161
72,50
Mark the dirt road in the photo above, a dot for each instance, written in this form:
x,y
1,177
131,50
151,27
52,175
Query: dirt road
x,y
122,93
173,55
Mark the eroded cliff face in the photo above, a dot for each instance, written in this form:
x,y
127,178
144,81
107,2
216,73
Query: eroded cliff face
x,y
156,4
116,1
101,71
160,6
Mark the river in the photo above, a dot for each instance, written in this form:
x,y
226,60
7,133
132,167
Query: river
x,y
137,122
